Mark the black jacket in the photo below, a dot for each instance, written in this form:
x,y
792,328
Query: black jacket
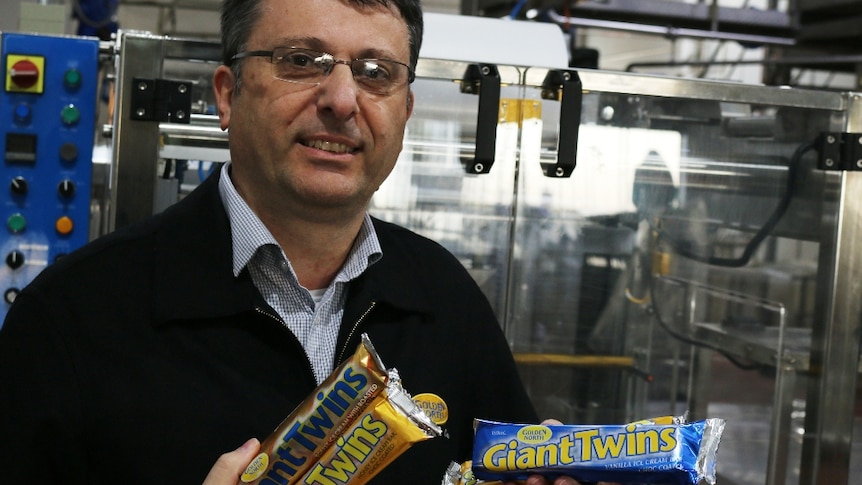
x,y
139,359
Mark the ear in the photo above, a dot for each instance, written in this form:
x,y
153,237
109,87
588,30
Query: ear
x,y
224,86
410,99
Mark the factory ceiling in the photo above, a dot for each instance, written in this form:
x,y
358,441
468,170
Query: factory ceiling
x,y
821,34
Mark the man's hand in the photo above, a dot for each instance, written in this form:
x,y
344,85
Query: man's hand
x,y
229,466
539,480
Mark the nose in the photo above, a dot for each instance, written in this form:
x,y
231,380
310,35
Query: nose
x,y
338,92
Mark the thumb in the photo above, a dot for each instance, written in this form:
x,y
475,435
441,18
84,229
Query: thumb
x,y
229,466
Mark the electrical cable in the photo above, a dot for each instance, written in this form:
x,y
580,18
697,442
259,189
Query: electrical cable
x,y
762,233
656,312
748,252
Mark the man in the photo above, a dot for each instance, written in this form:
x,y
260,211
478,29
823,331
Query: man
x,y
144,356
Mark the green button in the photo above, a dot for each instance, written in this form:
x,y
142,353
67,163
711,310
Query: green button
x,y
70,114
72,78
16,223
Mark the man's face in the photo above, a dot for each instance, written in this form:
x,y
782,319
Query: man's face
x,y
320,151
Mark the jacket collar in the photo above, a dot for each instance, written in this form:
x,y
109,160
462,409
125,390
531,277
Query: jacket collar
x,y
394,278
193,276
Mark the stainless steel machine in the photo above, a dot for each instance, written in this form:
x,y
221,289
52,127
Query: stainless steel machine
x,y
651,245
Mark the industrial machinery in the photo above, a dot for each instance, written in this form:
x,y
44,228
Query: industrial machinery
x,y
648,243
48,112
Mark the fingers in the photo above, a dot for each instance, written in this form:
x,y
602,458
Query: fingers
x,y
540,480
229,466
566,481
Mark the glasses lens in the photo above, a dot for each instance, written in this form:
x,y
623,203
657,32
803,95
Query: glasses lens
x,y
379,75
304,66
301,65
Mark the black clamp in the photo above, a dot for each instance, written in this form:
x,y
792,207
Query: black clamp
x,y
564,86
839,151
161,100
484,80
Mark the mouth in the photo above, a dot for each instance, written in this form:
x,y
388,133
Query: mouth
x,y
328,146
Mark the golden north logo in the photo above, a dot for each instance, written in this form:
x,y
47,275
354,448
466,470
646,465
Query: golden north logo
x,y
534,434
434,406
256,468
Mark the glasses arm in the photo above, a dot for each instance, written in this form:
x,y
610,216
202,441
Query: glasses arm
x,y
243,55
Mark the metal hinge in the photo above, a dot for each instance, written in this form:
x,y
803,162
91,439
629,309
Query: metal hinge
x,y
839,151
161,100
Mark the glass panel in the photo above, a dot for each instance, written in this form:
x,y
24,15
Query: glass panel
x,y
719,196
431,193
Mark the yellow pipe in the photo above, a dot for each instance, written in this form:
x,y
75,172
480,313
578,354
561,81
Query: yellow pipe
x,y
574,360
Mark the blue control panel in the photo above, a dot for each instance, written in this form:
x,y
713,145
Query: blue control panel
x,y
47,130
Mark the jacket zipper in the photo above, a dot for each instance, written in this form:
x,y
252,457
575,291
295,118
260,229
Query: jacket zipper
x,y
349,335
281,322
353,330
270,315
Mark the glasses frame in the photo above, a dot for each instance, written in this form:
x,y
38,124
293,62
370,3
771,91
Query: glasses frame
x,y
270,54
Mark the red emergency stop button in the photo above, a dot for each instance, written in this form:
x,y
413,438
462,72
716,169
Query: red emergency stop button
x,y
24,74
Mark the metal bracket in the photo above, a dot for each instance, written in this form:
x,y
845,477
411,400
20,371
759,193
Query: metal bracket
x,y
161,100
484,80
564,86
839,151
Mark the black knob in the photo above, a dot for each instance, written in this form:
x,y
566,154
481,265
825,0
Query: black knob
x,y
66,189
19,186
15,259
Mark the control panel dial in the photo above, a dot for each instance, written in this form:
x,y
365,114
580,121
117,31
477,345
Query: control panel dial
x,y
66,189
19,186
15,259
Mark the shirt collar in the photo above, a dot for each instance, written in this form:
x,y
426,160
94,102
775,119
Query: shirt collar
x,y
249,233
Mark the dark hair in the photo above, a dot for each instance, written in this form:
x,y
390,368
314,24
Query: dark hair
x,y
238,18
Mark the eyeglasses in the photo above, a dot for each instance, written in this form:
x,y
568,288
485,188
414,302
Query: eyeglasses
x,y
306,66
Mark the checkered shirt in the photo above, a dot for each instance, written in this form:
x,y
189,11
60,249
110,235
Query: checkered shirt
x,y
316,325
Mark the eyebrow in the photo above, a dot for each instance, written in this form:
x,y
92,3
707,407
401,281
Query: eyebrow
x,y
305,42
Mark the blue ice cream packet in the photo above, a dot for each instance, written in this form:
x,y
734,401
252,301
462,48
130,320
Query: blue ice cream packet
x,y
644,452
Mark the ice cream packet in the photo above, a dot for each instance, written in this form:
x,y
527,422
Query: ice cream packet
x,y
649,451
339,423
390,425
